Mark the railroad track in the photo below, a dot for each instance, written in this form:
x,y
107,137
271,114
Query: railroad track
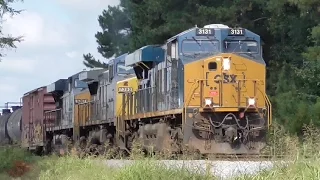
x,y
246,157
8,146
211,157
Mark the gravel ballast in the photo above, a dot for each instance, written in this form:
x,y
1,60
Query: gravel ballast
x,y
220,169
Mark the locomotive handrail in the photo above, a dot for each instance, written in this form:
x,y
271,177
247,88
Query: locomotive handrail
x,y
88,111
197,80
189,94
269,107
120,119
50,111
51,118
269,110
134,94
85,106
84,103
144,88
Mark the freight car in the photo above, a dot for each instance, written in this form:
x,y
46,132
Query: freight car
x,y
203,89
34,104
10,126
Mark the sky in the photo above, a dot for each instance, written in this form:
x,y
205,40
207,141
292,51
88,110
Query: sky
x,y
56,34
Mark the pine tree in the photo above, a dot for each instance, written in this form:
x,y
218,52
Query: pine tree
x,y
113,39
7,41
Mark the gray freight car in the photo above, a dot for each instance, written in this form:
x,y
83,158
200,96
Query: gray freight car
x,y
10,126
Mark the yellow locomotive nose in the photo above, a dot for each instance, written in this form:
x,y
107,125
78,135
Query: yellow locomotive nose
x,y
225,81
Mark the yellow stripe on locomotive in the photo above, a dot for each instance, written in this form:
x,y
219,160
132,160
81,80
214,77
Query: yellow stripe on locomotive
x,y
81,114
226,83
124,105
219,86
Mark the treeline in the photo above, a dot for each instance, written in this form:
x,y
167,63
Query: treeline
x,y
290,30
7,41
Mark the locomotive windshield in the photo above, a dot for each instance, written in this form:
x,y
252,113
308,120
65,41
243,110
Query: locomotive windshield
x,y
197,47
122,69
241,47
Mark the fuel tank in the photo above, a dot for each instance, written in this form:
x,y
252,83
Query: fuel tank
x,y
14,126
3,129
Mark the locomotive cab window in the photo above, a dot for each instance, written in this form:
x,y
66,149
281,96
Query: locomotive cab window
x,y
232,46
197,47
212,66
122,69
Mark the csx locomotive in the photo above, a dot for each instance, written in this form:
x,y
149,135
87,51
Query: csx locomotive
x,y
204,89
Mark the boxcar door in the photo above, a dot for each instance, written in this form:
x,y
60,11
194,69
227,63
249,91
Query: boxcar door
x,y
31,119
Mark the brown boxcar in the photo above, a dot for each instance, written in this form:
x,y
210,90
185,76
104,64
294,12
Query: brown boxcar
x,y
35,103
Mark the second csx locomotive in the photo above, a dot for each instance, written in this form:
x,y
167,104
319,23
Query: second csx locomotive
x,y
203,89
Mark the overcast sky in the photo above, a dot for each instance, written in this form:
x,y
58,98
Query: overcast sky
x,y
56,34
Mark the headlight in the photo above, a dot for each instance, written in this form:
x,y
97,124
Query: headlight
x,y
208,101
226,64
251,101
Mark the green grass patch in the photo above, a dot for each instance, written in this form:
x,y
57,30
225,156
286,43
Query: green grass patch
x,y
53,168
10,155
300,169
70,167
84,169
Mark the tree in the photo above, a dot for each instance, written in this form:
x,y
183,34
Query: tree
x,y
114,37
295,53
290,30
91,62
8,41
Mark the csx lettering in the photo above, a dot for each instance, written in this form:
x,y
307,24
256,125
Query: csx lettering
x,y
227,78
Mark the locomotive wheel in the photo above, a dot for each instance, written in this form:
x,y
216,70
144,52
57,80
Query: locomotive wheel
x,y
61,145
47,148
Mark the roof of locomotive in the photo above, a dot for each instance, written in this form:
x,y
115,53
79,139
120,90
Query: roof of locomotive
x,y
34,90
215,26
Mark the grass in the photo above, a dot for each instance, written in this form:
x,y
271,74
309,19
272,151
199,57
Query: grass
x,y
148,169
303,152
296,170
10,155
15,162
71,167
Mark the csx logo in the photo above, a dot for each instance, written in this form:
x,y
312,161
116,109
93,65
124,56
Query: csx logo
x,y
226,78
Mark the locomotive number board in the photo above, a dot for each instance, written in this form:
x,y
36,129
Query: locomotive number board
x,y
80,101
237,32
204,32
125,89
